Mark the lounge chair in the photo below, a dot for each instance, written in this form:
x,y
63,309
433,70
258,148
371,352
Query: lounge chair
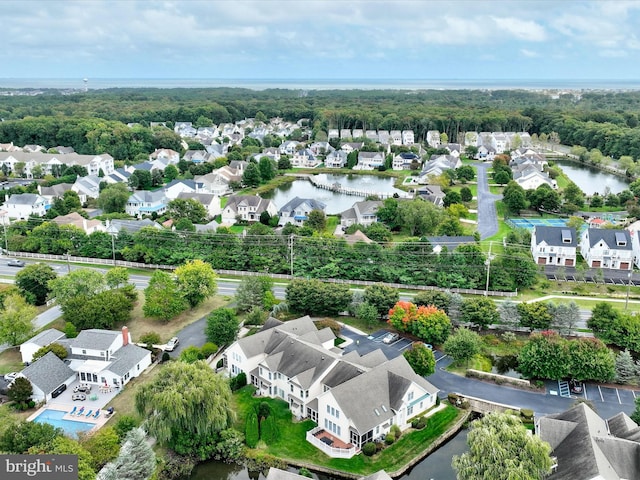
x,y
73,411
80,412
89,413
97,414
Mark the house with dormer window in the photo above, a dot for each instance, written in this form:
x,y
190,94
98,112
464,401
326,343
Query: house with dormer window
x,y
296,362
554,245
607,248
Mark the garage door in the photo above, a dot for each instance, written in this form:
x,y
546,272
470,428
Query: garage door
x,y
596,264
569,262
542,260
624,265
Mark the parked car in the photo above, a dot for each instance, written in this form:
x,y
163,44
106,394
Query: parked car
x,y
11,376
78,396
171,344
16,263
575,386
390,338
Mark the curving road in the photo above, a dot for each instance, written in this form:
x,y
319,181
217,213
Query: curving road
x,y
487,214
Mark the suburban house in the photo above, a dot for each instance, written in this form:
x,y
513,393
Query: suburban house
x,y
119,175
369,160
554,245
23,205
215,183
49,376
433,138
78,221
146,202
247,208
336,159
586,447
210,201
176,187
362,213
407,137
196,156
132,226
486,152
431,193
405,160
55,191
607,248
44,338
437,165
529,177
49,163
171,155
298,363
297,210
304,159
87,187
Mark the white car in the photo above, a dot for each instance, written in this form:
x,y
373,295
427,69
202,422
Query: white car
x,y
171,344
11,376
390,338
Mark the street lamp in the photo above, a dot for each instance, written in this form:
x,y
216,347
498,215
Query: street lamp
x,y
629,275
487,263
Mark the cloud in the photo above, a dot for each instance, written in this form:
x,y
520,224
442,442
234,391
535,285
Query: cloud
x,y
529,53
519,28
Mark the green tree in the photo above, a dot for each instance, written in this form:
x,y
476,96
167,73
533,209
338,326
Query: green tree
x,y
420,217
480,311
591,360
16,320
189,208
421,359
113,198
267,169
509,315
367,313
33,282
170,173
23,435
317,220
20,390
382,297
437,298
103,310
255,292
463,345
313,297
186,407
103,446
117,277
535,315
57,349
625,368
62,445
500,448
222,326
136,460
162,297
465,194
82,282
251,176
197,281
635,416
545,355
514,197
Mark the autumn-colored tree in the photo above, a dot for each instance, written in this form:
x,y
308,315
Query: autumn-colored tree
x,y
426,321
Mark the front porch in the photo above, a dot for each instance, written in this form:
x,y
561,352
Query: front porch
x,y
330,444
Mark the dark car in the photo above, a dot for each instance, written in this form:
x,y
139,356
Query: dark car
x,y
16,263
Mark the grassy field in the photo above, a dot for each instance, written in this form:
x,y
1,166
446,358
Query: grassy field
x,y
292,444
10,361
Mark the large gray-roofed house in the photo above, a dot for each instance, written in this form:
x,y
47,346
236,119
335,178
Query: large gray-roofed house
x,y
94,339
607,248
585,449
44,338
127,357
554,245
297,210
47,375
132,226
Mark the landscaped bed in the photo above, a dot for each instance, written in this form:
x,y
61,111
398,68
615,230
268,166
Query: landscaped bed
x,y
293,447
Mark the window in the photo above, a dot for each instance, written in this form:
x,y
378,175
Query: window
x,y
410,396
291,387
409,410
328,409
84,352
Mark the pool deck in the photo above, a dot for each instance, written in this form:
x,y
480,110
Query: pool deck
x,y
97,422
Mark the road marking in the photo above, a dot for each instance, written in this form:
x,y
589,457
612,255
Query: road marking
x,y
601,398
584,388
618,394
634,394
443,356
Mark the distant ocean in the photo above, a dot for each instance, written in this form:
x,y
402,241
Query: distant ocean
x,y
319,84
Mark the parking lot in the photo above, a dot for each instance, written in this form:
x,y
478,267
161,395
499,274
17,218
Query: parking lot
x,y
601,394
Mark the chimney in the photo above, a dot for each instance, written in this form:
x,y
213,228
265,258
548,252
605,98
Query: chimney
x,y
125,336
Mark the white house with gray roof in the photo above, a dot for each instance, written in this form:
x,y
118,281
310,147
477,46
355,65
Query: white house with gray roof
x,y
554,245
24,205
146,202
298,363
607,248
49,376
361,213
297,210
44,338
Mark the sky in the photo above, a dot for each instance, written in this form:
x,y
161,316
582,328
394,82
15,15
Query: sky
x,y
330,39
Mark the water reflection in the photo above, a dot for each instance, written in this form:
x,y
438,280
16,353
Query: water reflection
x,y
592,180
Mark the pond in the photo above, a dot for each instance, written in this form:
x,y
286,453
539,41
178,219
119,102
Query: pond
x,y
436,466
590,179
336,202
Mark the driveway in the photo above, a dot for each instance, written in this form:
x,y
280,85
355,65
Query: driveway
x,y
487,214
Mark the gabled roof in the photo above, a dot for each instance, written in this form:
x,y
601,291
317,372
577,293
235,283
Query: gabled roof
x,y
615,239
48,373
451,242
132,226
46,337
147,196
24,199
297,202
127,357
554,236
95,339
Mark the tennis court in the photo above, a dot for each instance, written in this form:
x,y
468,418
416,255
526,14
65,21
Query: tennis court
x,y
529,223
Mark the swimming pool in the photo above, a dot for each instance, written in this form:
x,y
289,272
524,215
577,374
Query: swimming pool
x,y
70,427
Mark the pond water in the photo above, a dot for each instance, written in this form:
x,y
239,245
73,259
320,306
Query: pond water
x,y
590,179
436,466
336,202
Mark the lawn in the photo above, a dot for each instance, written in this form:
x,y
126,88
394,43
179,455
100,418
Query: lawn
x,y
124,402
292,444
10,361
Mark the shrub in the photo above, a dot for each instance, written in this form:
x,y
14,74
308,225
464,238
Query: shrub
x,y
395,431
526,413
238,381
176,467
124,425
303,472
389,438
369,449
252,430
419,423
150,338
331,323
264,410
166,357
453,398
208,349
269,430
257,461
31,404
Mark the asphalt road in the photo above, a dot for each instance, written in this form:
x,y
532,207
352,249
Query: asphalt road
x,y
487,214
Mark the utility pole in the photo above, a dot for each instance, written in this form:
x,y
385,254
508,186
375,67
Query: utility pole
x,y
291,240
113,249
626,302
487,262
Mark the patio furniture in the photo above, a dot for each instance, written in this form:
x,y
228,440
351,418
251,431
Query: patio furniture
x,y
327,440
93,397
80,412
97,414
89,413
73,411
